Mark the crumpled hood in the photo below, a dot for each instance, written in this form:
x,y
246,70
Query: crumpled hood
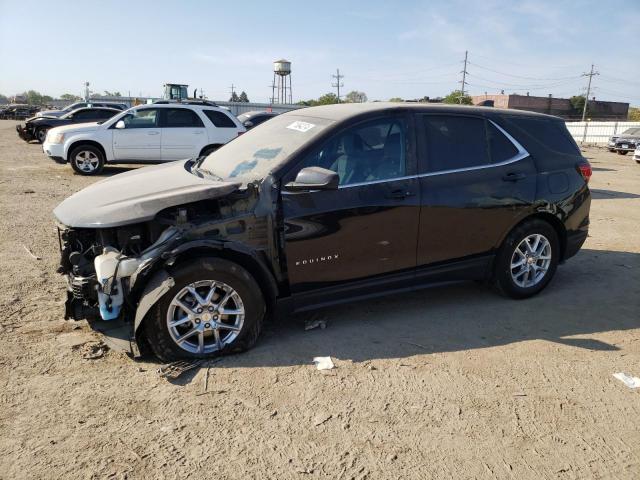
x,y
137,196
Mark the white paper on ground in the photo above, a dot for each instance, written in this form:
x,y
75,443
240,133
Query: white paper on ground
x,y
323,363
628,380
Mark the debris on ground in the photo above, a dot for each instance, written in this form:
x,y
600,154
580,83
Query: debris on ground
x,y
628,380
173,370
323,363
315,323
33,255
322,418
94,350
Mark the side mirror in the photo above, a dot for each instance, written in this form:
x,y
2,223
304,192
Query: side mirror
x,y
314,178
248,124
120,124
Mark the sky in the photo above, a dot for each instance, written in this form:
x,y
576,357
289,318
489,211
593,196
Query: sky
x,y
407,49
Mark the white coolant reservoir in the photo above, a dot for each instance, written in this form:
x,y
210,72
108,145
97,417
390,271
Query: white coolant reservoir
x,y
110,267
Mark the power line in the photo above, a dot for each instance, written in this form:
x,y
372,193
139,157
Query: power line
x,y
338,84
520,76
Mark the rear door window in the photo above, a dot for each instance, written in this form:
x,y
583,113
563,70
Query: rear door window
x,y
219,119
181,118
454,142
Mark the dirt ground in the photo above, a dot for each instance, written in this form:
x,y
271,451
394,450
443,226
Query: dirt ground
x,y
448,382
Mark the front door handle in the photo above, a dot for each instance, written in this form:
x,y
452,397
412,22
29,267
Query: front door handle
x,y
514,177
198,133
153,133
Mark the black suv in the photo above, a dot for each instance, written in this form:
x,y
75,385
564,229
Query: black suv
x,y
319,206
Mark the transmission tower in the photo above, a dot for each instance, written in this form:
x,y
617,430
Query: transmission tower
x,y
464,76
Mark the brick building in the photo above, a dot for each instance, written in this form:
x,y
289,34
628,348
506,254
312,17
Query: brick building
x,y
561,107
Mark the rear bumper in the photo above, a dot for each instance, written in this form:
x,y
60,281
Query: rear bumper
x,y
24,133
575,240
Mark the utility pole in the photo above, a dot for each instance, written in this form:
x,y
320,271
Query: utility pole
x,y
232,87
338,84
586,100
464,75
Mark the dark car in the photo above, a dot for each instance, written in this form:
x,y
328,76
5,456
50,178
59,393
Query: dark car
x,y
255,118
77,105
36,128
17,111
625,142
317,207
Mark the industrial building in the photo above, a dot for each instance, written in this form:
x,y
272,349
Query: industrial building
x,y
561,107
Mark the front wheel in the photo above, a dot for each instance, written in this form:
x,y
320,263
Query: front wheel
x,y
87,160
41,134
621,152
527,260
215,307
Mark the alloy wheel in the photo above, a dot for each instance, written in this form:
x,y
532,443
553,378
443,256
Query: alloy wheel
x,y
531,260
87,161
205,316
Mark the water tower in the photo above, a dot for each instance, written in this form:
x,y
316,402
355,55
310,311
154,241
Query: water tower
x,y
280,91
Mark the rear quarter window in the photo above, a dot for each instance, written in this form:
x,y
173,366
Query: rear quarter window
x,y
220,119
552,133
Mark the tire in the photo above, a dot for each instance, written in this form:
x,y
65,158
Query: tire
x,y
87,160
620,152
538,272
204,342
41,134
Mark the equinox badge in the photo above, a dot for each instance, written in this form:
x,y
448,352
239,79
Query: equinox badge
x,y
309,261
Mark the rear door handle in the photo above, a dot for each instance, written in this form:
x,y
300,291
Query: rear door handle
x,y
514,177
153,133
198,132
399,194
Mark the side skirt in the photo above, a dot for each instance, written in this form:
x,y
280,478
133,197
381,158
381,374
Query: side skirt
x,y
476,268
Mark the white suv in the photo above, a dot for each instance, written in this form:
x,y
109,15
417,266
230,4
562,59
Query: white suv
x,y
159,132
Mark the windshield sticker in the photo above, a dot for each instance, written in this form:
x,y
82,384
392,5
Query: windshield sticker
x,y
301,126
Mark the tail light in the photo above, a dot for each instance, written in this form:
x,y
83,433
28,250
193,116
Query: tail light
x,y
585,170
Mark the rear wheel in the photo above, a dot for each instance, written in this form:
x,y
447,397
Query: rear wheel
x,y
215,307
527,260
41,134
622,152
87,160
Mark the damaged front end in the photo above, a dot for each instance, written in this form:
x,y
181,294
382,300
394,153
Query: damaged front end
x,y
115,275
26,132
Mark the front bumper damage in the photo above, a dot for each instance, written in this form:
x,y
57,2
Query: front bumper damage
x,y
25,133
102,291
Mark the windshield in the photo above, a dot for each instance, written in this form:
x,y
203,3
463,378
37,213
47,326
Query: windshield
x,y
631,131
253,155
73,106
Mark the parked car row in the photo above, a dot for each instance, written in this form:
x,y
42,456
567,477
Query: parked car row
x,y
312,208
17,111
77,105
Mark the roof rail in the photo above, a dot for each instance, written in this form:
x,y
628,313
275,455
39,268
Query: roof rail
x,y
188,101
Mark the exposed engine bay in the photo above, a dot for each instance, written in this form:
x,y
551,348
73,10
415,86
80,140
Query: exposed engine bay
x,y
107,268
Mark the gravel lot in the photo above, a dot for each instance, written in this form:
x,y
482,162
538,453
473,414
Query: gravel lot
x,y
449,382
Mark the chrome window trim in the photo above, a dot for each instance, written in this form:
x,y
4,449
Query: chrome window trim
x,y
522,154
